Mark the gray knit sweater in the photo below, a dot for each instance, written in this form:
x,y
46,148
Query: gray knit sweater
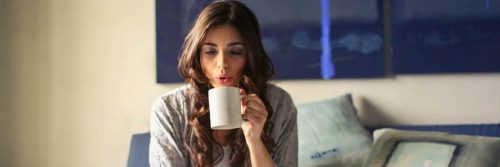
x,y
169,121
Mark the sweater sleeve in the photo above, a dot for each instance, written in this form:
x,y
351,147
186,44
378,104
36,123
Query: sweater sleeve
x,y
166,143
286,151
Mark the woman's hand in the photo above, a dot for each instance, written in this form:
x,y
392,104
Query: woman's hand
x,y
254,116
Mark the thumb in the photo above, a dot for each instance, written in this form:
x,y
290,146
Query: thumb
x,y
243,92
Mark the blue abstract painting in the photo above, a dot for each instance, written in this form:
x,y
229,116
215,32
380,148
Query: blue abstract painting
x,y
324,39
445,36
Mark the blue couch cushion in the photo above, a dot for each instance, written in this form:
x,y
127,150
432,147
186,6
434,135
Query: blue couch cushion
x,y
139,150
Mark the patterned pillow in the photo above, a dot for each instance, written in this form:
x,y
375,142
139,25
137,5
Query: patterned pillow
x,y
330,134
394,148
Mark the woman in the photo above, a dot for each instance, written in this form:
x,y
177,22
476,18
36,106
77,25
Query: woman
x,y
224,48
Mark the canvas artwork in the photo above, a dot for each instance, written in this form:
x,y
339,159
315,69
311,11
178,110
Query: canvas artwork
x,y
325,39
443,36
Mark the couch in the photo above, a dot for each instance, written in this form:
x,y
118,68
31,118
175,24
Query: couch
x,y
353,144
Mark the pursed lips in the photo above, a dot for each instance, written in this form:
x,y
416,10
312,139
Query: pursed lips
x,y
223,79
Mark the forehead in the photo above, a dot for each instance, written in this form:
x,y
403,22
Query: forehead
x,y
222,35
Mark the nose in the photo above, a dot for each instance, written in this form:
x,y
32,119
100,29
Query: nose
x,y
222,61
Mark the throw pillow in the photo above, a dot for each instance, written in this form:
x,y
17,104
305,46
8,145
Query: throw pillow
x,y
330,134
432,149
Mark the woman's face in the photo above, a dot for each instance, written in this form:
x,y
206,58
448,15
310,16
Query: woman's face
x,y
223,56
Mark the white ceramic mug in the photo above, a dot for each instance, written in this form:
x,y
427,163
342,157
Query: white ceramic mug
x,y
225,107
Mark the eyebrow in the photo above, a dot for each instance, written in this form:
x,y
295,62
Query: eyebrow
x,y
230,44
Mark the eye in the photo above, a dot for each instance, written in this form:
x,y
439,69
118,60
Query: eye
x,y
236,52
211,52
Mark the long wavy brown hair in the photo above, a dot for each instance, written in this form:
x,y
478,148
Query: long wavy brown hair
x,y
204,151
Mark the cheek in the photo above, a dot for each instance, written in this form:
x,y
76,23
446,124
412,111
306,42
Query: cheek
x,y
205,66
243,63
241,66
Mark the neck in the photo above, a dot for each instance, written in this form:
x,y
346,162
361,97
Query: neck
x,y
221,136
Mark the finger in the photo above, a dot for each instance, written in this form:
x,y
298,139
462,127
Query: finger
x,y
254,115
258,110
256,98
244,113
244,100
249,117
243,95
252,100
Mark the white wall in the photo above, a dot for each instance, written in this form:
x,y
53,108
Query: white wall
x,y
406,99
77,79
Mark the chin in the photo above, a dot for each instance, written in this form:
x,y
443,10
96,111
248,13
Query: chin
x,y
216,85
224,85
